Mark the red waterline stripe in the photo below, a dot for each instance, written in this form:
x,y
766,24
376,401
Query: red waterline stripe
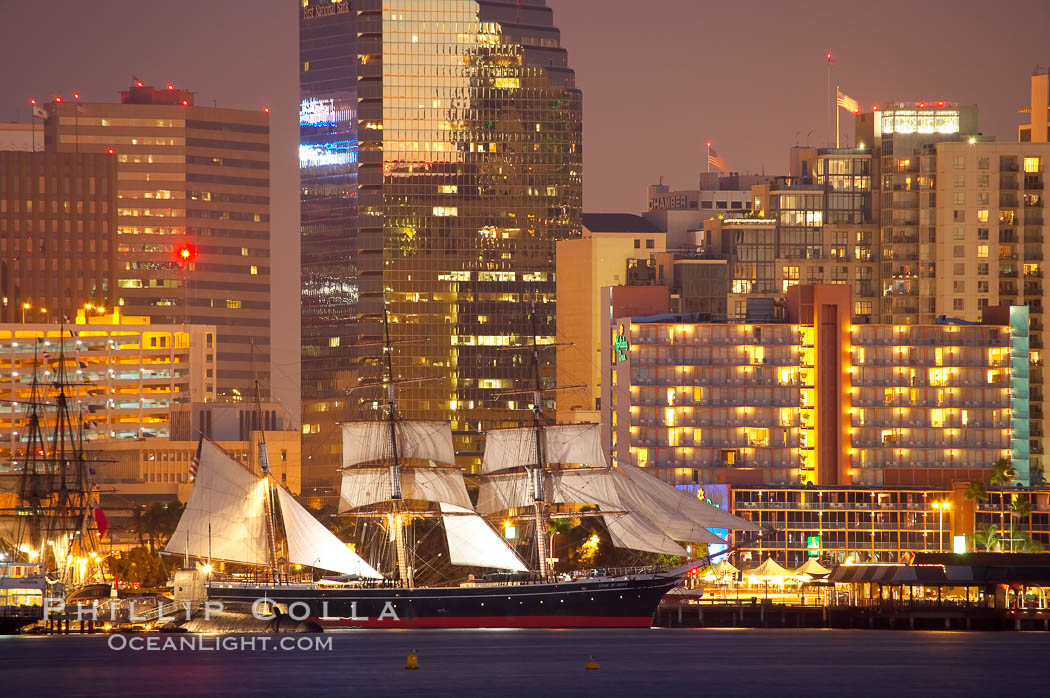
x,y
494,622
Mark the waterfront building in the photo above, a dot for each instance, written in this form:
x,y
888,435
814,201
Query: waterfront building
x,y
583,267
812,397
877,525
440,160
123,374
193,215
58,214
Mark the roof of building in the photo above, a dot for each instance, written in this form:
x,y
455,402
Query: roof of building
x,y
618,223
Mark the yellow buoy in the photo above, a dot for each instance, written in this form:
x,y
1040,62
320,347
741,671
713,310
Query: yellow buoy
x,y
412,662
592,665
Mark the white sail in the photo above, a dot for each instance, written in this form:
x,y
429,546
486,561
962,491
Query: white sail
x,y
503,492
435,485
225,516
594,486
635,531
678,513
364,486
588,486
472,542
365,442
567,443
313,545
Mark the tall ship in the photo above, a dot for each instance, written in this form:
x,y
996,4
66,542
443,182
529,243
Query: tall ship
x,y
399,475
50,531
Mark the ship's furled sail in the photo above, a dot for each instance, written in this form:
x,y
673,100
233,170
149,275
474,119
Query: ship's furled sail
x,y
366,442
313,545
364,486
472,542
564,443
225,515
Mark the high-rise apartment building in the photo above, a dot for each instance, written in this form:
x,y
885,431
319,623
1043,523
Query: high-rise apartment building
x,y
1037,130
815,398
193,215
440,156
58,214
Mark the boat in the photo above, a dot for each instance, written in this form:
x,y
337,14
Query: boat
x,y
397,471
22,590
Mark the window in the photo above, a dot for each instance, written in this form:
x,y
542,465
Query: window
x,y
959,198
233,304
959,269
982,164
1031,165
959,286
862,308
957,304
982,270
959,162
982,287
982,303
982,180
253,269
959,180
982,251
958,215
958,233
637,244
959,251
982,233
982,215
649,244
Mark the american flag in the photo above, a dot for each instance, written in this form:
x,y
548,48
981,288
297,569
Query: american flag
x,y
716,160
847,103
195,463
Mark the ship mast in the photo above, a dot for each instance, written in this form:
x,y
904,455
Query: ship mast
x,y
264,470
403,568
538,505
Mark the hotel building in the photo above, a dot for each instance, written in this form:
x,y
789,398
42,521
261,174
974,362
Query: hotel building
x,y
813,398
192,218
440,161
123,374
58,214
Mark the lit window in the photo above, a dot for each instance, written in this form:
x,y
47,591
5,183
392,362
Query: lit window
x,y
232,304
1031,165
253,269
333,341
982,251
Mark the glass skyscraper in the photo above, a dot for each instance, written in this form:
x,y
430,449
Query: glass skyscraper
x,y
440,156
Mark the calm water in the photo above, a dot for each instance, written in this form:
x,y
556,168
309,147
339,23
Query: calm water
x,y
542,663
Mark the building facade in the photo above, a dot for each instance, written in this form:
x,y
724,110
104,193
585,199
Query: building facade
x,y
814,398
584,266
123,376
441,159
193,215
58,215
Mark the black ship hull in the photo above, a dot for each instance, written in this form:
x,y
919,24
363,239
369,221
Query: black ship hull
x,y
12,624
596,602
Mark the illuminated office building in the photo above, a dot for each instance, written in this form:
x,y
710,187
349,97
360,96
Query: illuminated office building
x,y
193,215
440,159
58,215
124,375
815,398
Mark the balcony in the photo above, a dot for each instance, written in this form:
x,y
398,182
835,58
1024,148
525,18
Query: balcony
x,y
1033,181
1033,235
1007,200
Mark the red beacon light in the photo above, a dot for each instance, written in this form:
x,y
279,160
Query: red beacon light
x,y
138,83
266,110
33,102
874,107
76,96
185,253
170,86
185,102
922,105
58,100
940,103
110,151
708,144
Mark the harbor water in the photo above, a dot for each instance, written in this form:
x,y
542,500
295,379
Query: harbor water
x,y
535,662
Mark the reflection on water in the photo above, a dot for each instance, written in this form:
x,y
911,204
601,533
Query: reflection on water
x,y
522,662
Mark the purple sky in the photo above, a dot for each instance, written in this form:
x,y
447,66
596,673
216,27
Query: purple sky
x,y
659,78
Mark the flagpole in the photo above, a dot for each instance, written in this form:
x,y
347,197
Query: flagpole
x,y
836,116
827,116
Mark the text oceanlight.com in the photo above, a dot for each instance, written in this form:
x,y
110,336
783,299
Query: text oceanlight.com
x,y
219,643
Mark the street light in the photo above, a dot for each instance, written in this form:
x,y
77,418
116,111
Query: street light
x,y
941,507
25,307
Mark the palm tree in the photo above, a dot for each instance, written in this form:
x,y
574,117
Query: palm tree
x,y
987,537
138,523
1002,475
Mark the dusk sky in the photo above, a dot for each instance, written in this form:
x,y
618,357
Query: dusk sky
x,y
659,78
